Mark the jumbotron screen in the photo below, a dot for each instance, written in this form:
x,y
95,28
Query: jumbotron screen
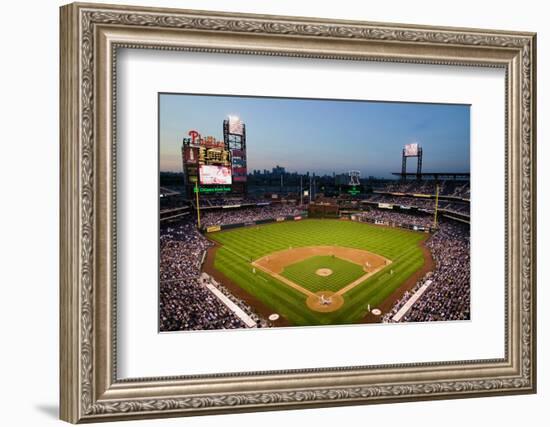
x,y
214,175
411,150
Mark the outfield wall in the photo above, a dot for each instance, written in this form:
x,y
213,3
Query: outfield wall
x,y
214,228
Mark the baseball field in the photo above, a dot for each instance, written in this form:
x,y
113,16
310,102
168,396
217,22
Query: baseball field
x,y
320,271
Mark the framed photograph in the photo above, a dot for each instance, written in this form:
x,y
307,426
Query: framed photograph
x,y
266,212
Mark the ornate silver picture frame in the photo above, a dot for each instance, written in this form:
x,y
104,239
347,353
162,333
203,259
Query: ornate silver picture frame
x,y
91,36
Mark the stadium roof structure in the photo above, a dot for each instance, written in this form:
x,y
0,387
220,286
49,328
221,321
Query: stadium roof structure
x,y
435,175
165,192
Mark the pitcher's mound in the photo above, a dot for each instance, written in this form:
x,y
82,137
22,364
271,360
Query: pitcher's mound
x,y
325,301
323,272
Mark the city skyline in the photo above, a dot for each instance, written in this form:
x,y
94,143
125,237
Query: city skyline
x,y
322,136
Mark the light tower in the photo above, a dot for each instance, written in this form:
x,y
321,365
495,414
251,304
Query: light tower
x,y
234,136
411,150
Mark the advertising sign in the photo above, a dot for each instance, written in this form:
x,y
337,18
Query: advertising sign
x,y
385,206
354,191
196,139
239,171
212,142
210,174
212,190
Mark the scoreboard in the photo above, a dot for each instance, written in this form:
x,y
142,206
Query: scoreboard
x,y
216,166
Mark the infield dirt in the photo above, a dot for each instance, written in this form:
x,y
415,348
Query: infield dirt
x,y
429,265
276,262
259,307
280,260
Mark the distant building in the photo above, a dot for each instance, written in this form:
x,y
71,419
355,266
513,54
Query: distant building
x,y
278,170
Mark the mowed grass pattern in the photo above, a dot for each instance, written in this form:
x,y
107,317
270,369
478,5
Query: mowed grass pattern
x,y
304,273
241,246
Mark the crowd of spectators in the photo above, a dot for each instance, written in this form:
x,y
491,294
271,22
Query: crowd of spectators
x,y
420,202
185,303
244,215
173,201
260,321
212,202
395,219
463,208
446,187
448,295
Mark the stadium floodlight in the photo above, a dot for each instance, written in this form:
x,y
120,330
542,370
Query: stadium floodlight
x,y
235,125
412,150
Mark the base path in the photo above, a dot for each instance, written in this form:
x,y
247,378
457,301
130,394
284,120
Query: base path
x,y
429,265
278,261
260,308
284,280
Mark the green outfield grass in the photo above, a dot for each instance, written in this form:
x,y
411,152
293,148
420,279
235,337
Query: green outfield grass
x,y
241,246
303,273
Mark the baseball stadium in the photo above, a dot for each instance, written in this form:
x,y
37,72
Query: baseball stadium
x,y
244,248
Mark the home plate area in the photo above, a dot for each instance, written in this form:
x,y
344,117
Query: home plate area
x,y
325,301
322,273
